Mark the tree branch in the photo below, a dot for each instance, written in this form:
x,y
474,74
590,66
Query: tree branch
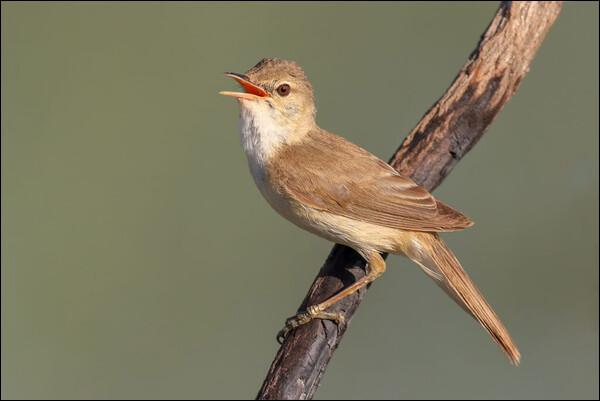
x,y
449,129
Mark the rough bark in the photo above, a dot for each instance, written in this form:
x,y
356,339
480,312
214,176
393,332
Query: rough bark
x,y
447,131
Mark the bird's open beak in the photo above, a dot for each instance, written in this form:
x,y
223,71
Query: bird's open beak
x,y
253,91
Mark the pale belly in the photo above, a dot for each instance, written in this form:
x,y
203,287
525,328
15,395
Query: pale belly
x,y
362,236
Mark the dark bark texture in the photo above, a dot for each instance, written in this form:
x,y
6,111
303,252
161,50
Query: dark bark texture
x,y
447,131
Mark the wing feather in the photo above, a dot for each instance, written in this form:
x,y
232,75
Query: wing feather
x,y
360,186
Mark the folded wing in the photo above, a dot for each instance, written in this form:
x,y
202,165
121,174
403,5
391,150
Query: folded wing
x,y
360,186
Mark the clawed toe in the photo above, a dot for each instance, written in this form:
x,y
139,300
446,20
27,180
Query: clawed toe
x,y
304,317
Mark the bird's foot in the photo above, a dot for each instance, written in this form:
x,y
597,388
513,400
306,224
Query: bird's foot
x,y
312,312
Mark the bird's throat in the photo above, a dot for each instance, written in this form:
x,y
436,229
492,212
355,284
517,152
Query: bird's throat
x,y
263,132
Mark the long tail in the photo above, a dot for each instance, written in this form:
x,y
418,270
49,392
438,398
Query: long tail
x,y
438,262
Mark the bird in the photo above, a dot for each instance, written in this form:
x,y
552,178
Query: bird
x,y
341,192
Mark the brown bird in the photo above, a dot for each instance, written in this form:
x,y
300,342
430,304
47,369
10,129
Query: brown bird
x,y
341,192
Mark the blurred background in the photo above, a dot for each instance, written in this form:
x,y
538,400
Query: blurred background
x,y
140,261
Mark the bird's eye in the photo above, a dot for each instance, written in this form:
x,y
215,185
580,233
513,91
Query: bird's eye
x,y
283,89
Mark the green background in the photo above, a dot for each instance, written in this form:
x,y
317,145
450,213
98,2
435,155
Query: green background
x,y
139,260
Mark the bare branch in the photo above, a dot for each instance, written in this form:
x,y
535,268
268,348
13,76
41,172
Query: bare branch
x,y
449,129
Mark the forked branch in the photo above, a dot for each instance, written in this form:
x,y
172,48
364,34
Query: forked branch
x,y
447,131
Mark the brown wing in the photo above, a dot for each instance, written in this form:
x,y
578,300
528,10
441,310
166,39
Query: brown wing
x,y
328,173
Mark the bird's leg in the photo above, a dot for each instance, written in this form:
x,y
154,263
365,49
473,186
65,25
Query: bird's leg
x,y
375,268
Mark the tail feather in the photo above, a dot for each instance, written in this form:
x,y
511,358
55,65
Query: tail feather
x,y
439,263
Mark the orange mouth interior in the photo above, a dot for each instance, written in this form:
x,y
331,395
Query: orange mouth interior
x,y
252,91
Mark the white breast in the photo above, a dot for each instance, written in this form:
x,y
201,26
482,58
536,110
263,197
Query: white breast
x,y
261,135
